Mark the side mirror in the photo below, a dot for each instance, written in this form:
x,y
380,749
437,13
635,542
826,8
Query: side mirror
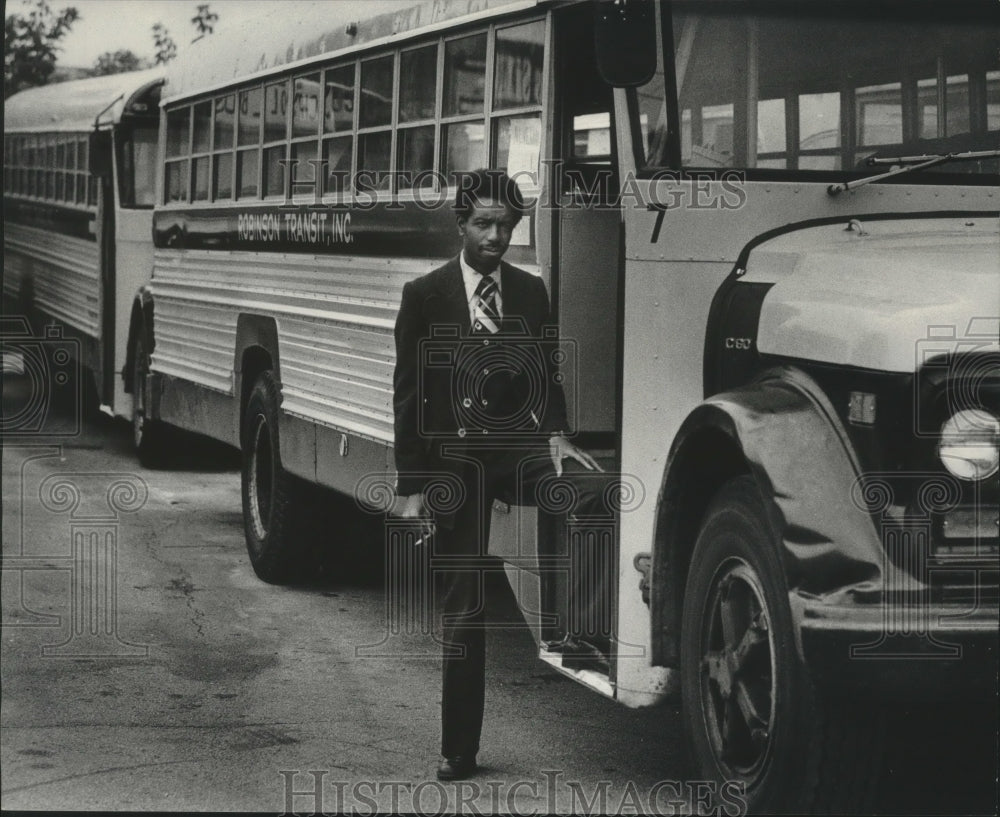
x,y
99,153
625,41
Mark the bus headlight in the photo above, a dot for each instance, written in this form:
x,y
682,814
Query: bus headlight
x,y
970,444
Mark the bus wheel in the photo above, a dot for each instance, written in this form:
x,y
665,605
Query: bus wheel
x,y
758,726
147,434
270,507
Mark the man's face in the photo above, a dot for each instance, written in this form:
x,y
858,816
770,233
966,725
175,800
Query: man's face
x,y
486,233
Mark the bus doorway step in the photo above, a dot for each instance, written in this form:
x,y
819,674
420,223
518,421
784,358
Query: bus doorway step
x,y
596,679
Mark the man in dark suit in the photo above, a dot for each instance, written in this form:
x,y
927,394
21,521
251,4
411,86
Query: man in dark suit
x,y
479,413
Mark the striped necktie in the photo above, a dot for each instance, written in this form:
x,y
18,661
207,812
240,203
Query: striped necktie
x,y
486,316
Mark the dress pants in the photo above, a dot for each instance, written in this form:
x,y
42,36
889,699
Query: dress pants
x,y
512,473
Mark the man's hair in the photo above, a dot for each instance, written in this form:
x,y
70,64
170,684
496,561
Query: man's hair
x,y
477,185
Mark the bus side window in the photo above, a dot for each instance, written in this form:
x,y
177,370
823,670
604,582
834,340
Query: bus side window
x,y
464,141
587,105
517,84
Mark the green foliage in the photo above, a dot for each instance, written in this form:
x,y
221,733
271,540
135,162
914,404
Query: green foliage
x,y
31,45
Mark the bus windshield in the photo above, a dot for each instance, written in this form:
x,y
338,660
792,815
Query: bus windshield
x,y
823,87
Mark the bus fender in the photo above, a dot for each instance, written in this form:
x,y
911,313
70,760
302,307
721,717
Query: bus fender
x,y
256,351
782,430
141,320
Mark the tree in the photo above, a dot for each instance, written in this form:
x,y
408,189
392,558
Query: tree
x,y
117,62
204,21
166,49
31,44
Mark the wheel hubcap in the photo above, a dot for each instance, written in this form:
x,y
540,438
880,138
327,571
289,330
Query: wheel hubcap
x,y
738,671
260,476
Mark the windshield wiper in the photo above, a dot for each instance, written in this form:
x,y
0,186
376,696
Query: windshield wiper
x,y
910,163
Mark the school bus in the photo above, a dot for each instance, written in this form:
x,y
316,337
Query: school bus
x,y
79,176
769,232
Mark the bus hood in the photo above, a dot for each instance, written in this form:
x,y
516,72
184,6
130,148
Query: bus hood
x,y
881,294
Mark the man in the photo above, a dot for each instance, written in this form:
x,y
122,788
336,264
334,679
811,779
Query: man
x,y
473,360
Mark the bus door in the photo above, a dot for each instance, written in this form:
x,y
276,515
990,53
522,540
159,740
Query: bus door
x,y
586,283
101,163
131,260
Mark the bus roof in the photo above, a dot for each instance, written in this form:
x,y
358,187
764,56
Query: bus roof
x,y
75,105
277,39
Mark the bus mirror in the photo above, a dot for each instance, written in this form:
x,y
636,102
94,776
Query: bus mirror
x,y
99,153
625,41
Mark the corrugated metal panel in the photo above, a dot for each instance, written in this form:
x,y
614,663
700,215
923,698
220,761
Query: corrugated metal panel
x,y
335,318
13,273
64,273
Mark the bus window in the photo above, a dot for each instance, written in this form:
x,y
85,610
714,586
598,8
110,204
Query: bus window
x,y
374,146
338,105
517,84
517,140
247,173
417,84
993,100
178,145
338,126
824,91
251,102
176,181
305,107
416,157
772,137
518,78
222,185
202,127
819,131
373,160
417,99
464,147
248,142
136,160
463,141
376,92
587,102
275,146
224,136
464,75
178,127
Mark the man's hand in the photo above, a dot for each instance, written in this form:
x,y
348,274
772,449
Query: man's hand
x,y
412,507
408,507
560,448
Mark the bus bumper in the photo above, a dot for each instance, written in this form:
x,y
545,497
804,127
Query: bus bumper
x,y
933,652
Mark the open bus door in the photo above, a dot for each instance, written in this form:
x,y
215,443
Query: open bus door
x,y
101,165
123,158
580,243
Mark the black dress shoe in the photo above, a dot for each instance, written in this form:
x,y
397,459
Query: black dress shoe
x,y
456,768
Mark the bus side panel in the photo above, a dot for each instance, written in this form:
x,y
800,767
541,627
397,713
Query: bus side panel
x,y
194,408
334,319
344,460
61,273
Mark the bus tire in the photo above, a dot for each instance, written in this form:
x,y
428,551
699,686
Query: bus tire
x,y
271,513
751,712
148,435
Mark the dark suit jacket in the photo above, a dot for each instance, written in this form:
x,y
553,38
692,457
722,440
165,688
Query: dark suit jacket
x,y
440,396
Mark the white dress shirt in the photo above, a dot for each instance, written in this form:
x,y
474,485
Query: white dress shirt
x,y
471,279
